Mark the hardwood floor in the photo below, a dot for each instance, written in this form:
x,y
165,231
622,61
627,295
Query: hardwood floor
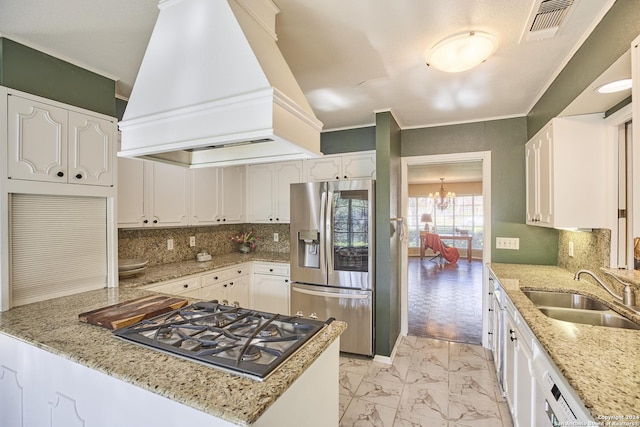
x,y
445,301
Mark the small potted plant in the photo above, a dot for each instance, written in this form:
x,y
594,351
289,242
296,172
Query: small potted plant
x,y
247,241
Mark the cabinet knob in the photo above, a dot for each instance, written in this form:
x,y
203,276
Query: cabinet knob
x,y
286,280
231,283
490,333
270,219
277,219
225,285
491,309
155,221
185,286
60,174
271,269
239,271
215,278
224,219
490,293
218,219
512,334
345,177
337,177
146,221
79,176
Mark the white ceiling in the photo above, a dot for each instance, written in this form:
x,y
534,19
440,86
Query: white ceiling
x,y
351,58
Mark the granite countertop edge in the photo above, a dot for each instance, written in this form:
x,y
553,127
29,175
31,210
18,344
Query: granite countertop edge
x,y
598,362
177,270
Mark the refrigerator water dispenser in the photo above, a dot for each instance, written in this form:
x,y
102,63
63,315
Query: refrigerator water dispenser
x,y
309,248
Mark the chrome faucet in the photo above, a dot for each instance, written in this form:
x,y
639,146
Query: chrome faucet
x,y
629,298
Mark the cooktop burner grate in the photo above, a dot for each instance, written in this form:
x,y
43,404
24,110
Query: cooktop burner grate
x,y
236,339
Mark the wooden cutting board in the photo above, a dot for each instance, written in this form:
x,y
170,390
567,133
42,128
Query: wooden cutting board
x,y
129,312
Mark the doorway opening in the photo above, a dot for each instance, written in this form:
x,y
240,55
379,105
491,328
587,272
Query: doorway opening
x,y
445,251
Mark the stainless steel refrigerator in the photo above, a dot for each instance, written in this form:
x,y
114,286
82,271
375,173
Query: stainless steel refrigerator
x,y
332,257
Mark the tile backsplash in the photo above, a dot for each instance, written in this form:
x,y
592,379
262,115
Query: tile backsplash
x,y
151,243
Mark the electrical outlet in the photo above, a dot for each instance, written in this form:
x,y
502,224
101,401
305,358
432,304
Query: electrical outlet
x,y
275,237
170,244
512,243
192,241
571,249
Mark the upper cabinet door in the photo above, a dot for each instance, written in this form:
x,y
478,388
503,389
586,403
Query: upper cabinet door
x,y
261,193
325,169
359,166
90,150
37,141
232,191
285,174
131,193
205,203
170,195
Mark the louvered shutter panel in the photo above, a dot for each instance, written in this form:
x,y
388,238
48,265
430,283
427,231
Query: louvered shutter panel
x,y
58,246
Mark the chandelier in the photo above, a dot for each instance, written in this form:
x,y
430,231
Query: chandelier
x,y
442,199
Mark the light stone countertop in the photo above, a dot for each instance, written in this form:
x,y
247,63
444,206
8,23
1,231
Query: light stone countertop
x,y
601,364
53,326
176,270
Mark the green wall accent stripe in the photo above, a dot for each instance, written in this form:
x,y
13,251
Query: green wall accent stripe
x,y
350,140
28,70
387,298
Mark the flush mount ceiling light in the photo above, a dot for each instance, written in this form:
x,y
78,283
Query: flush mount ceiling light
x,y
462,52
615,86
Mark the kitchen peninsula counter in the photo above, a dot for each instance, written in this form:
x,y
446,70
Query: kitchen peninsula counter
x,y
600,363
177,270
54,327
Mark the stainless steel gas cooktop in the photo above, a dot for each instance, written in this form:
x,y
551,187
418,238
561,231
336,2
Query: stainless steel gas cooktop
x,y
235,339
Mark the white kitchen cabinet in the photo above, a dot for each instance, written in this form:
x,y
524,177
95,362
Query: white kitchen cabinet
x,y
268,191
218,195
169,194
187,287
565,174
132,206
271,287
49,142
152,194
228,286
520,377
231,190
348,166
205,200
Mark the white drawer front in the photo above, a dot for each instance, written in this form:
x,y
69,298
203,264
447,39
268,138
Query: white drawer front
x,y
277,269
176,287
223,275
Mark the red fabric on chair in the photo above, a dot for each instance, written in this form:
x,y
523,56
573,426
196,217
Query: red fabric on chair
x,y
434,242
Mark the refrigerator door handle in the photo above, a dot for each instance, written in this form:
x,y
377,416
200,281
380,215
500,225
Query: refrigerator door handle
x,y
329,233
330,294
323,234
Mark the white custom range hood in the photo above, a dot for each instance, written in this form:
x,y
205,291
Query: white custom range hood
x,y
214,89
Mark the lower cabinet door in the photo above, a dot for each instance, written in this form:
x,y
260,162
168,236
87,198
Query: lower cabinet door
x,y
271,293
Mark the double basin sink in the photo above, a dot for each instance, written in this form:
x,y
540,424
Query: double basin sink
x,y
576,308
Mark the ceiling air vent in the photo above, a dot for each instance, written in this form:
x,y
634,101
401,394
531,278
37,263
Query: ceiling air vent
x,y
547,19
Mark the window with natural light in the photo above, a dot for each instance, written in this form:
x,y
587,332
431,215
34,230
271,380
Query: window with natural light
x,y
463,216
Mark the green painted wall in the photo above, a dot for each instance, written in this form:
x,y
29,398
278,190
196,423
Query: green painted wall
x,y
608,41
350,140
505,139
28,70
387,296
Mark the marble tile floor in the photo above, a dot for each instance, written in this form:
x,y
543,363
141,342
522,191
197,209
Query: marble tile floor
x,y
445,301
430,383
